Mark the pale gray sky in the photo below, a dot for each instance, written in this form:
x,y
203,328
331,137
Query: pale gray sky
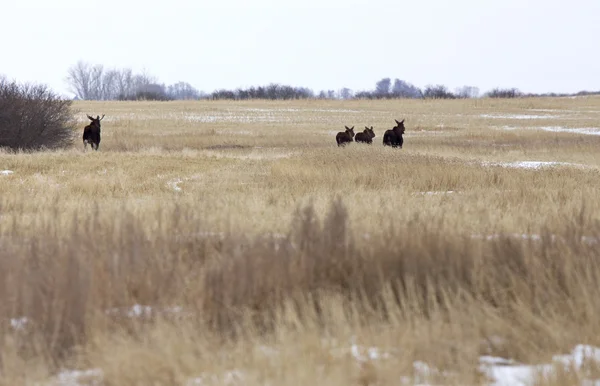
x,y
535,45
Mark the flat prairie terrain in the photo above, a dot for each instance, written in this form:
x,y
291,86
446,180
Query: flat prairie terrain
x,y
221,242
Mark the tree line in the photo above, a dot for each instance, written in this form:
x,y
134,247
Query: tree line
x,y
95,82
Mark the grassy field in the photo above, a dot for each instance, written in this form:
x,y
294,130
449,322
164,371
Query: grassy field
x,y
258,252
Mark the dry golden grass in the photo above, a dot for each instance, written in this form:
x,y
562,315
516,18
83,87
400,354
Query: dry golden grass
x,y
281,249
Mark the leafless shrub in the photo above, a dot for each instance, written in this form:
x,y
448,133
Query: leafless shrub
x,y
504,93
438,92
33,117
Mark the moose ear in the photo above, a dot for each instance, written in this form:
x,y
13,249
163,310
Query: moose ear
x,y
366,127
102,116
397,121
347,128
371,127
90,118
352,128
402,121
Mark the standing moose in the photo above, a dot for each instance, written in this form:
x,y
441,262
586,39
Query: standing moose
x,y
91,133
366,136
344,137
393,137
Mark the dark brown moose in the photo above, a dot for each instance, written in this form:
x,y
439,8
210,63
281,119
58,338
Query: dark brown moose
x,y
393,137
344,137
91,133
366,136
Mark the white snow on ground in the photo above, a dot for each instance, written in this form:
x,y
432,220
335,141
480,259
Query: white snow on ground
x,y
532,164
558,129
232,377
19,323
522,375
553,110
91,377
500,371
590,240
581,130
306,110
6,172
174,184
141,311
435,193
252,155
518,116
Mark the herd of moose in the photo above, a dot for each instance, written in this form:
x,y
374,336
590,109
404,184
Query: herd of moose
x,y
392,137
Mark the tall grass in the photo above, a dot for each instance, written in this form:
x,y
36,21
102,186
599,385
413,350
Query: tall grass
x,y
540,296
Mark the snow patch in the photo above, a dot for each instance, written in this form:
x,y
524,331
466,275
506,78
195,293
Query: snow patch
x,y
174,184
518,116
306,110
234,132
364,354
505,373
589,240
435,193
253,155
91,377
581,130
531,164
232,377
558,129
19,323
6,172
500,371
138,311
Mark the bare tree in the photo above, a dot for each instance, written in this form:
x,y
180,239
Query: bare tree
x,y
184,90
467,92
124,83
504,93
402,89
79,80
94,82
437,92
346,93
382,88
97,73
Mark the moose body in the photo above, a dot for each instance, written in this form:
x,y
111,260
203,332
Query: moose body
x,y
366,136
91,133
344,137
393,137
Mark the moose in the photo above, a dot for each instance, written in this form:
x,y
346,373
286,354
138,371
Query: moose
x,y
393,137
91,133
344,137
366,136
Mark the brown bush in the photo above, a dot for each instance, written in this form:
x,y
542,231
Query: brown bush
x,y
33,117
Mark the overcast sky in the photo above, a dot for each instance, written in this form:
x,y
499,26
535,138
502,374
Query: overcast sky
x,y
535,45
